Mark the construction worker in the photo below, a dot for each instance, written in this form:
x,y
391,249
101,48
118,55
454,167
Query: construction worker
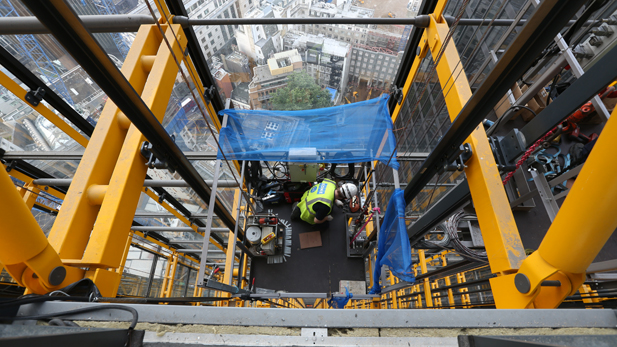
x,y
316,203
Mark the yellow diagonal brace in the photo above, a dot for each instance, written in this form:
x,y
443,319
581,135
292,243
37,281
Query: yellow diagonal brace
x,y
19,92
117,210
502,241
71,230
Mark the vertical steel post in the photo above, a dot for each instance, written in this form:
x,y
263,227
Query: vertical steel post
x,y
155,260
231,245
206,243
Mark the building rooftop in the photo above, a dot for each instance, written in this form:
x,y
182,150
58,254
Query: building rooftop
x,y
241,93
344,10
237,57
327,45
220,74
262,73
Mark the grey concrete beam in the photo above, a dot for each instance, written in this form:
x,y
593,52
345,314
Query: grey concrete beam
x,y
322,318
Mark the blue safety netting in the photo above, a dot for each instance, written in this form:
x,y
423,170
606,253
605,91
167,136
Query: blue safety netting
x,y
340,302
393,248
351,133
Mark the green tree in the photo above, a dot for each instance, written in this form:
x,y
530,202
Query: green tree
x,y
301,93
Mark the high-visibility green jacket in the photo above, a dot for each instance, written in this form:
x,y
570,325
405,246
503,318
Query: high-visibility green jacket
x,y
323,192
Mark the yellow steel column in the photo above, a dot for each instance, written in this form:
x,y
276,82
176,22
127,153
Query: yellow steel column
x,y
169,284
587,294
574,239
166,275
503,244
427,285
230,256
450,294
460,278
393,296
111,286
436,296
71,230
26,254
116,214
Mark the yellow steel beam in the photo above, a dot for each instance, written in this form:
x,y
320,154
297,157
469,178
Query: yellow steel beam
x,y
71,230
422,49
575,237
122,196
18,91
503,244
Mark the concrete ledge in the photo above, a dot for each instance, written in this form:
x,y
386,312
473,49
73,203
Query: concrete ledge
x,y
319,318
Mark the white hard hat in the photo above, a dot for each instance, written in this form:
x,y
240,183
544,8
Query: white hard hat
x,y
349,190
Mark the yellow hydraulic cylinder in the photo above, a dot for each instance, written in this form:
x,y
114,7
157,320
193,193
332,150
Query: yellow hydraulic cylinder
x,y
26,254
582,226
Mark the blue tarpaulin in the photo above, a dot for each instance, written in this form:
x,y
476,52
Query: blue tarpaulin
x,y
351,133
394,249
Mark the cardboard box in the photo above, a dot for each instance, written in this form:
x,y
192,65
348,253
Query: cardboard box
x,y
537,104
502,106
310,240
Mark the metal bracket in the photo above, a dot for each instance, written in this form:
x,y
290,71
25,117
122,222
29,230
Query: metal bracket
x,y
209,94
34,97
502,164
11,165
512,145
153,161
314,335
397,94
458,159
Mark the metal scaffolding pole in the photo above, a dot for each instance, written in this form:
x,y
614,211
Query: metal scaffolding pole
x,y
117,23
65,182
176,229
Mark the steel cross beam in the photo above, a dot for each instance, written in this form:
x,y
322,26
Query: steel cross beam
x,y
117,23
66,27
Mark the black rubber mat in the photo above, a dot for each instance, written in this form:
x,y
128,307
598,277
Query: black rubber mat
x,y
312,270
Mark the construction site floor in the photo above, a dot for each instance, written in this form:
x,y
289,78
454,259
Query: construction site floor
x,y
312,270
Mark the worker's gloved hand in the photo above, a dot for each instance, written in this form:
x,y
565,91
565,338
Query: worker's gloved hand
x,y
339,203
329,218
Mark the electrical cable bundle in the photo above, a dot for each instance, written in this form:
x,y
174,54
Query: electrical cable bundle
x,y
451,228
443,243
